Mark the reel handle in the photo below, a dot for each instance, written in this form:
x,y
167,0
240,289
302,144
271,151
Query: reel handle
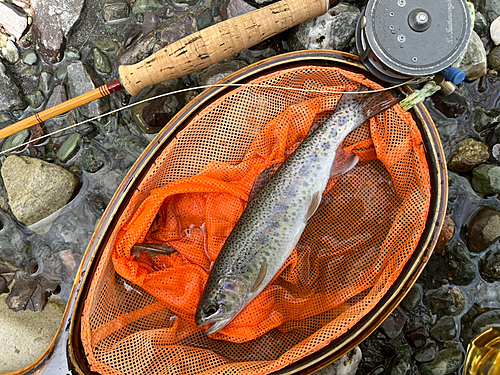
x,y
218,42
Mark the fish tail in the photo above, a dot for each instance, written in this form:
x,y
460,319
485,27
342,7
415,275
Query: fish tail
x,y
370,104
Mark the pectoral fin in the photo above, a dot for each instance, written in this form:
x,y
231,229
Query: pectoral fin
x,y
260,276
344,162
315,201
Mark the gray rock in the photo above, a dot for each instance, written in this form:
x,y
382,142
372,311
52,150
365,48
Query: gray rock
x,y
426,354
462,267
216,72
102,63
446,362
53,20
480,324
401,365
13,19
57,97
236,8
10,52
474,60
494,59
115,11
346,365
484,229
481,25
413,298
486,179
150,22
12,97
81,79
489,8
36,188
489,266
30,57
72,54
394,323
444,329
469,154
485,118
172,31
333,30
35,100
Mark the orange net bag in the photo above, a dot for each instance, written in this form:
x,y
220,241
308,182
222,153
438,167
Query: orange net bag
x,y
139,314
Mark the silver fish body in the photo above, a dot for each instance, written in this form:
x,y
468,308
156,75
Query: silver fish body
x,y
274,219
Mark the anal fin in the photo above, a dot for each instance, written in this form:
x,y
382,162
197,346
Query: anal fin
x,y
344,162
315,201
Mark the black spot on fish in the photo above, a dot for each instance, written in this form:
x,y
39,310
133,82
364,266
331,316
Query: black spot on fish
x,y
305,184
326,145
266,253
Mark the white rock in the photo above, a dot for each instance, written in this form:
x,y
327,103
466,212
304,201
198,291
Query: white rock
x,y
346,365
495,31
474,62
13,19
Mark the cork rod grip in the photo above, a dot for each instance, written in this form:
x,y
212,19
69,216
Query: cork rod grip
x,y
218,42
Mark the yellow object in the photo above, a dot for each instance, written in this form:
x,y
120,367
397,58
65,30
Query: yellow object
x,y
483,354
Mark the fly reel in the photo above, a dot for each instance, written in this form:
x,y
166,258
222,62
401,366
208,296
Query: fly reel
x,y
401,39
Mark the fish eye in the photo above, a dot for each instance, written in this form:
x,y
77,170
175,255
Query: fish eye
x,y
210,309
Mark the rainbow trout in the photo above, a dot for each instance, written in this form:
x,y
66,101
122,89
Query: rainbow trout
x,y
275,217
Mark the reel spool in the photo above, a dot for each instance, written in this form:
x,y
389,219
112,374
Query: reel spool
x,y
401,39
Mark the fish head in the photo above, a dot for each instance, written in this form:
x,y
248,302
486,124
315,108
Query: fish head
x,y
221,304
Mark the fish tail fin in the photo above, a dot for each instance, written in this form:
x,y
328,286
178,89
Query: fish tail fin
x,y
368,104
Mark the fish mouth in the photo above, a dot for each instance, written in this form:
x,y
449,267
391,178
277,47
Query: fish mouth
x,y
217,326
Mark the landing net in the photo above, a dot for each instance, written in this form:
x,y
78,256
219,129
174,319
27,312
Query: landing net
x,y
139,314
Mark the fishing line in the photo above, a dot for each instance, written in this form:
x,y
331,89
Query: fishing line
x,y
409,82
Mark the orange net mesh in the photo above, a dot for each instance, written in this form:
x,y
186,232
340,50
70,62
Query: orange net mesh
x,y
139,313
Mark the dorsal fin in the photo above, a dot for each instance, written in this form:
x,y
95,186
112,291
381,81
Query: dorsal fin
x,y
260,276
262,179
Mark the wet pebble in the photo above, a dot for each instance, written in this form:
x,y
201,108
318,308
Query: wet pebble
x,y
30,57
489,266
394,323
494,59
444,329
426,354
144,6
16,139
68,147
115,11
102,63
10,52
92,159
413,298
417,337
469,154
36,188
474,62
44,82
446,362
35,100
451,106
484,229
463,269
150,22
481,25
486,179
236,8
445,301
445,235
490,9
105,45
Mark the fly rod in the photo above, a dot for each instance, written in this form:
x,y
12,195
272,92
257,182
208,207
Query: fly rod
x,y
192,53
